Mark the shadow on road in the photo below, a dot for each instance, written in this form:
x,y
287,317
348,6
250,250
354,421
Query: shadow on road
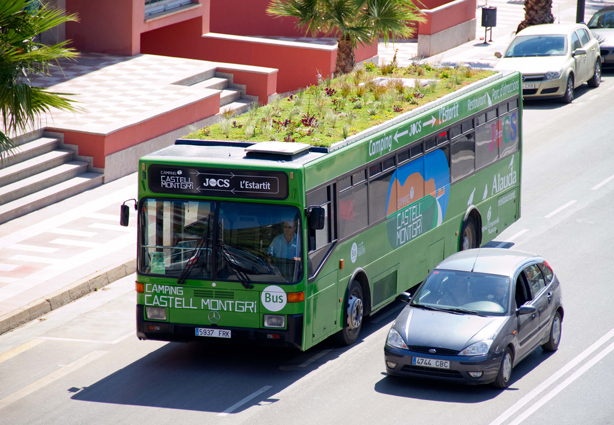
x,y
209,377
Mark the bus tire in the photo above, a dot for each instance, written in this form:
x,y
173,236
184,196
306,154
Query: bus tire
x,y
353,314
469,235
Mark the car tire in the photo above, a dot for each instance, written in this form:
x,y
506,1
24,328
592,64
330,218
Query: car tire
x,y
554,338
596,78
353,314
568,96
469,235
504,376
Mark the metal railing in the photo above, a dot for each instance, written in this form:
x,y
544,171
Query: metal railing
x,y
153,7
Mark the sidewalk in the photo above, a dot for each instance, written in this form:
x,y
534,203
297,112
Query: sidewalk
x,y
55,255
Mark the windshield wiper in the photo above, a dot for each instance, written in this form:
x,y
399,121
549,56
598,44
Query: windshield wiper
x,y
427,307
463,311
242,276
203,242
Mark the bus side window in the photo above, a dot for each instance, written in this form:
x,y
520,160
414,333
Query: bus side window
x,y
319,241
463,156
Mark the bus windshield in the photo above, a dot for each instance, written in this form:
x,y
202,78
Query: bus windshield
x,y
225,241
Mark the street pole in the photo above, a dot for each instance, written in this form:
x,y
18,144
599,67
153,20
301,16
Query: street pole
x,y
580,12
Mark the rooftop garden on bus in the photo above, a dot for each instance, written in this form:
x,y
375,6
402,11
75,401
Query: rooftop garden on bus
x,y
337,108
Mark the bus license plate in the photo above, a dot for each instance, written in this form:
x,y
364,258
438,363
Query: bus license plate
x,y
213,333
528,85
439,364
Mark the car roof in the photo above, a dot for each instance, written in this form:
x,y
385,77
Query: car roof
x,y
497,261
545,29
605,9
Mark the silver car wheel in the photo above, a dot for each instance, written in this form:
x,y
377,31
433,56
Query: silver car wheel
x,y
507,367
556,330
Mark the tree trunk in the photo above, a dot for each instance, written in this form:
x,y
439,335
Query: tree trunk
x,y
536,12
345,55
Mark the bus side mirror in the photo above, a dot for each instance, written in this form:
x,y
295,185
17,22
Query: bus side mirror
x,y
316,217
124,214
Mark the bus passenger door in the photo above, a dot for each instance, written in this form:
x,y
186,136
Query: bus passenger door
x,y
324,306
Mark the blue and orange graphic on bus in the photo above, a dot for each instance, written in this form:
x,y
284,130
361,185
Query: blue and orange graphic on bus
x,y
417,197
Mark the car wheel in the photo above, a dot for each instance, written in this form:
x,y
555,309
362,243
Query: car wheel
x,y
568,96
352,315
469,236
505,370
555,334
596,79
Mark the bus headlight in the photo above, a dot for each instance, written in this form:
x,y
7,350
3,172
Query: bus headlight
x,y
274,321
155,313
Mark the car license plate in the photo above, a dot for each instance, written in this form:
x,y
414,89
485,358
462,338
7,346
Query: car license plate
x,y
439,364
213,333
528,85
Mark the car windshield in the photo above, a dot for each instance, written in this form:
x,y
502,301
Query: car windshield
x,y
603,19
537,45
225,241
456,291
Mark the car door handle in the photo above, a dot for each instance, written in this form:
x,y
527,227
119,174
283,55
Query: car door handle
x,y
549,297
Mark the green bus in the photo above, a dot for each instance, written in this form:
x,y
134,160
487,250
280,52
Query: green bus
x,y
286,243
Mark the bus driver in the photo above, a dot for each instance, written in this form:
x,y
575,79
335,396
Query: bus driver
x,y
287,245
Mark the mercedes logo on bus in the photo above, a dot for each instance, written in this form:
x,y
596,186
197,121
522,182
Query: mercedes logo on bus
x,y
214,316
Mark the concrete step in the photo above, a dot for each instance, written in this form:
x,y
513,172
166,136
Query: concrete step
x,y
30,150
229,95
51,195
239,107
196,78
40,181
215,83
35,165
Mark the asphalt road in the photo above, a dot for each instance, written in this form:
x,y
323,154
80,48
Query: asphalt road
x,y
84,364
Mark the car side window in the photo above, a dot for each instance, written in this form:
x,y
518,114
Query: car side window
x,y
575,41
584,36
547,272
523,293
535,278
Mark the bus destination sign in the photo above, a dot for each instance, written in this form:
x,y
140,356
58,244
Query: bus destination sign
x,y
218,182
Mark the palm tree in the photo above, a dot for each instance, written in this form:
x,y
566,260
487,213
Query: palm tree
x,y
21,57
350,21
536,12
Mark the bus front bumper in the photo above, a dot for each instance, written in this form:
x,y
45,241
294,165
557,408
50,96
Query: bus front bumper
x,y
292,336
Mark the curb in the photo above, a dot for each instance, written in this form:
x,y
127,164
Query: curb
x,y
63,296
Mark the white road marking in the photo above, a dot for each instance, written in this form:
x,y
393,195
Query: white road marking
x,y
245,400
71,242
8,279
553,378
388,313
314,358
517,235
100,216
603,183
20,349
91,341
592,362
35,259
54,376
558,210
116,227
7,267
68,232
32,248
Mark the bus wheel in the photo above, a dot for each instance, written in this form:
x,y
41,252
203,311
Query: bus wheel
x,y
352,315
469,236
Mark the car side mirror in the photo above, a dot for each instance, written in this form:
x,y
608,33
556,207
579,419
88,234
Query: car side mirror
x,y
498,55
526,309
316,217
405,297
124,213
578,52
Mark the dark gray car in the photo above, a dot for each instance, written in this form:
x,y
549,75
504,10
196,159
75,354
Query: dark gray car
x,y
475,317
602,27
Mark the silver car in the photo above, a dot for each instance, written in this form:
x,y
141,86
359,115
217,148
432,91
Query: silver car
x,y
475,317
553,59
602,27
